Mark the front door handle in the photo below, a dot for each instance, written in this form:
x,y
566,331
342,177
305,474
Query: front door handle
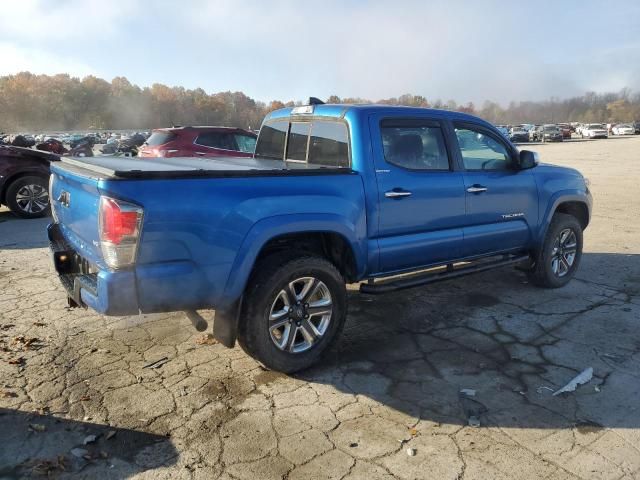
x,y
476,189
397,194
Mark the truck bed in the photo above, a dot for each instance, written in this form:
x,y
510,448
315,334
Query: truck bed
x,y
108,167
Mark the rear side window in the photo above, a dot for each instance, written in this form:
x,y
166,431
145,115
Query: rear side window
x,y
329,144
160,138
216,140
272,140
418,147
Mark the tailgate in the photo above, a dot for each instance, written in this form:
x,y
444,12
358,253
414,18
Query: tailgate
x,y
74,203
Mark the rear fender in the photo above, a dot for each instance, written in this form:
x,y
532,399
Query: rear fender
x,y
227,316
276,226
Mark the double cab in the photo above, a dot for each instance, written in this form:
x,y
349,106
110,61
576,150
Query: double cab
x,y
392,197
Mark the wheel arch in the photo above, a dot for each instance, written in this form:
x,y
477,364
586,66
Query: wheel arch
x,y
328,235
576,204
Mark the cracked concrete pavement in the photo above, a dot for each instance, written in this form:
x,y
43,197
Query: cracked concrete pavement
x,y
390,385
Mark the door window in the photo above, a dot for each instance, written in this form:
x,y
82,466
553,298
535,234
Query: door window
x,y
481,151
216,140
414,147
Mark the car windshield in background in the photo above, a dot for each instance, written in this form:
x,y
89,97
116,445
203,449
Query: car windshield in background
x,y
550,128
160,138
246,143
595,125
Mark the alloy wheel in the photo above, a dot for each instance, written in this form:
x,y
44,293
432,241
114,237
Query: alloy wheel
x,y
32,198
300,315
563,254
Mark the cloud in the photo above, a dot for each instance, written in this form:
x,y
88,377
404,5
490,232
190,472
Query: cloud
x,y
373,49
34,21
19,59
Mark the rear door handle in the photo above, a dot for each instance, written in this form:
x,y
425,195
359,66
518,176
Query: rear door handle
x,y
397,194
476,189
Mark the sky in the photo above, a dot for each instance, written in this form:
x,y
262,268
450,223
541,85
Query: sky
x,y
289,50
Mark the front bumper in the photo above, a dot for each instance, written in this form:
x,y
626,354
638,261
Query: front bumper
x,y
105,291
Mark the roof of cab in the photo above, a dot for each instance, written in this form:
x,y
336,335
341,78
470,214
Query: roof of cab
x,y
341,110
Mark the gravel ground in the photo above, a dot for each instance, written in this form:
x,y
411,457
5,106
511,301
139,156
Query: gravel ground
x,y
388,402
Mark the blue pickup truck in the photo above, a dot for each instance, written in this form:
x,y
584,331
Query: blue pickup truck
x,y
393,197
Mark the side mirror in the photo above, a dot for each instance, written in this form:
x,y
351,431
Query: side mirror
x,y
527,159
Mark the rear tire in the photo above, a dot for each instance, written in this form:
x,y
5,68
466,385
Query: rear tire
x,y
284,326
558,260
28,197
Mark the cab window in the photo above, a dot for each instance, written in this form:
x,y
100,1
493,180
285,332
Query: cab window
x,y
272,140
481,151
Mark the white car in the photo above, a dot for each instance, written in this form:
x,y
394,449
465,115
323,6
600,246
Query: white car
x,y
594,130
624,129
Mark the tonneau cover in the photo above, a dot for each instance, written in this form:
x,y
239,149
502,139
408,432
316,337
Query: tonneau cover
x,y
160,167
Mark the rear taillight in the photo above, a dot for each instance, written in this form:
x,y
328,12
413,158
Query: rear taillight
x,y
120,224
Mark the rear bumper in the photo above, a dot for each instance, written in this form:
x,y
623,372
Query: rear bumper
x,y
107,292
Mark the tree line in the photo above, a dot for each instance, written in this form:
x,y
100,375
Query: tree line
x,y
30,102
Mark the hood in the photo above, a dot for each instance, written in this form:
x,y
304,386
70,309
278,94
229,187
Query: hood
x,y
11,151
555,170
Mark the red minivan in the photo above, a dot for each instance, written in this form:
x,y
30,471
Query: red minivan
x,y
199,142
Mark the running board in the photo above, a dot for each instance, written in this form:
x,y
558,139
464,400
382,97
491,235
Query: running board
x,y
416,280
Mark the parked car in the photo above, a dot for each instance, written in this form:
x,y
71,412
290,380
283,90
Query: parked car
x,y
52,145
199,142
519,134
566,130
24,179
503,130
545,133
624,129
335,194
594,130
636,125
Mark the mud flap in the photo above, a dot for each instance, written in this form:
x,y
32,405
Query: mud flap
x,y
225,324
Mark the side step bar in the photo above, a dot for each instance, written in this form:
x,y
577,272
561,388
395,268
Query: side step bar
x,y
417,280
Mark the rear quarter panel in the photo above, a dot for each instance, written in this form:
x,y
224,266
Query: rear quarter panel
x,y
200,236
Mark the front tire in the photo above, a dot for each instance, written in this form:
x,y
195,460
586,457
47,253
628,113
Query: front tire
x,y
557,262
28,197
293,310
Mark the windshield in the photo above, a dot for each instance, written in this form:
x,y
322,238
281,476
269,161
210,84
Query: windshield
x,y
550,128
160,138
595,125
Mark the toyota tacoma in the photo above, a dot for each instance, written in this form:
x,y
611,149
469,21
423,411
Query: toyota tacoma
x,y
391,197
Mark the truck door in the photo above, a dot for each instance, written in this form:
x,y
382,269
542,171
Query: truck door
x,y
501,201
420,193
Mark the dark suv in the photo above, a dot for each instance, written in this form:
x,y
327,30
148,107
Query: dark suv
x,y
24,180
199,142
